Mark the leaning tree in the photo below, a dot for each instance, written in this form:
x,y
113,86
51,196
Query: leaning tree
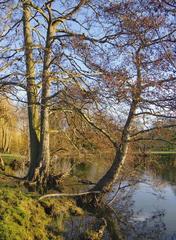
x,y
118,56
135,74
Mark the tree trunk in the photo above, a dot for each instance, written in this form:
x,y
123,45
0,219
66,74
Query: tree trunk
x,y
42,172
6,135
106,182
31,92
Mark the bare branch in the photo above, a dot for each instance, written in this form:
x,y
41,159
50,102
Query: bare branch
x,y
96,127
71,13
153,139
67,194
155,115
152,129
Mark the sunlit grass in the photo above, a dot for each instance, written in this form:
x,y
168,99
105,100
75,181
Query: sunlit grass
x,y
162,152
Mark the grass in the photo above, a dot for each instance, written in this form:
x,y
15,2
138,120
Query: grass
x,y
9,156
23,217
162,152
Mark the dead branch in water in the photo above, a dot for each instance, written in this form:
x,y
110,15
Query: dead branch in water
x,y
67,194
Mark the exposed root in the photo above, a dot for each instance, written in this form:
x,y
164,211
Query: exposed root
x,y
11,176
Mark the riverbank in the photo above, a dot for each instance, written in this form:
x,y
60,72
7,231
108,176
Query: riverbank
x,y
24,217
144,209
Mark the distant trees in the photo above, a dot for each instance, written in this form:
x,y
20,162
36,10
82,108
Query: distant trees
x,y
7,125
12,136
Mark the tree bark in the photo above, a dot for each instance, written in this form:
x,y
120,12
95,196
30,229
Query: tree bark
x,y
42,172
31,92
106,182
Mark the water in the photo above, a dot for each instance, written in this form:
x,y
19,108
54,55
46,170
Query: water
x,y
149,199
152,201
158,195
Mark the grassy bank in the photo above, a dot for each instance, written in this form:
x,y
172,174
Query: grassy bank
x,y
24,217
162,152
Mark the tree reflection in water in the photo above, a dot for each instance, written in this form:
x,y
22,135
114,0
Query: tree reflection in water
x,y
137,190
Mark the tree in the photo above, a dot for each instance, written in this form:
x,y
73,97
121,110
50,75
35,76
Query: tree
x,y
40,153
13,136
69,67
6,125
137,82
38,46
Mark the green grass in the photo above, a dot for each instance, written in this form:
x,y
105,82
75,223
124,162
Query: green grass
x,y
8,158
162,152
10,155
23,217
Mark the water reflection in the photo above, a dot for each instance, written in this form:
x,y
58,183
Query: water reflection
x,y
158,194
168,169
150,206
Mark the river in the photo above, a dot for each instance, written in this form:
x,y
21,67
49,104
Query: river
x,y
149,205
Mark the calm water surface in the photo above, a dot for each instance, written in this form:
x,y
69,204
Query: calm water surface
x,y
158,195
153,199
